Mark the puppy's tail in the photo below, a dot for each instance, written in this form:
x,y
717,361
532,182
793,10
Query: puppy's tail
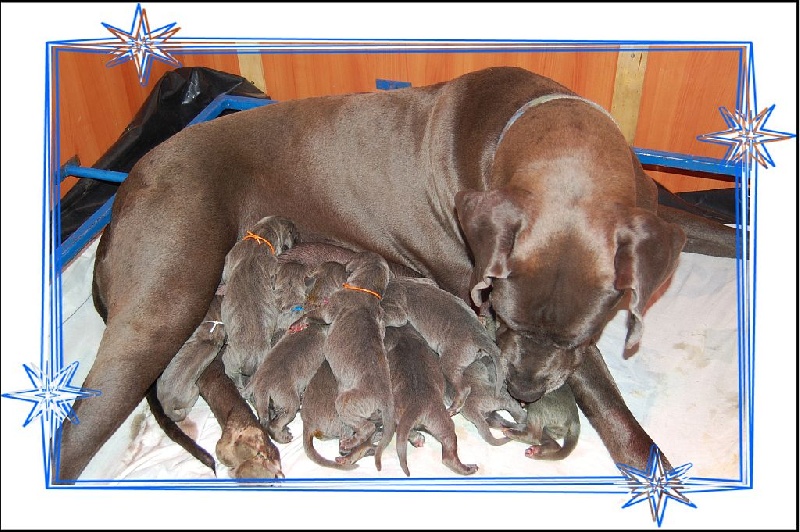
x,y
174,432
313,454
389,427
404,427
499,368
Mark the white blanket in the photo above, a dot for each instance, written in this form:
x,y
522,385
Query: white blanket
x,y
682,385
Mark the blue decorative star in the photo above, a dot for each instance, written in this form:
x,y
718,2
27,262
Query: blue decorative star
x,y
655,484
746,136
52,395
141,45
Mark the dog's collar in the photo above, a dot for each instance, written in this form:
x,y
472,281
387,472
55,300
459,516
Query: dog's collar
x,y
349,286
260,240
544,99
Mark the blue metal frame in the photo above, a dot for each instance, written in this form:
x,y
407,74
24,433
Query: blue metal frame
x,y
91,227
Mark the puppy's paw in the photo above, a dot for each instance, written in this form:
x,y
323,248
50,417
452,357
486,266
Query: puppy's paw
x,y
239,444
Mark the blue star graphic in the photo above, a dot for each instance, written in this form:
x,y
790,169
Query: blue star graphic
x,y
656,484
141,45
52,395
746,136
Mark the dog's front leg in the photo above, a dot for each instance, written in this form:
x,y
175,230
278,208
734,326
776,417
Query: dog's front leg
x,y
598,397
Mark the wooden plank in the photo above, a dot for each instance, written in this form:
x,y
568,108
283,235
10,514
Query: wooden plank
x,y
252,69
628,84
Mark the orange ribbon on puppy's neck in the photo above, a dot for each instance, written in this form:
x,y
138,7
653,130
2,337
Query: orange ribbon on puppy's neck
x,y
365,290
260,240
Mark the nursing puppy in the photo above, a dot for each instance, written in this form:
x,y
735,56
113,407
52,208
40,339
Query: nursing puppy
x,y
354,349
515,192
321,421
554,416
484,402
248,307
448,325
291,285
418,388
177,388
277,386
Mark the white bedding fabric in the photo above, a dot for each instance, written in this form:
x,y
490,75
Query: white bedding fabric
x,y
682,386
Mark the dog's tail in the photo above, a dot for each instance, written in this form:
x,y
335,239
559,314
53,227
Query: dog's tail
x,y
404,427
174,432
389,427
499,367
313,454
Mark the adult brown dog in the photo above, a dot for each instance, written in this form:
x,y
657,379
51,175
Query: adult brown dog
x,y
559,221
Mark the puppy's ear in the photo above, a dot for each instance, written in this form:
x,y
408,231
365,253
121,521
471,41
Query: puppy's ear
x,y
648,250
490,222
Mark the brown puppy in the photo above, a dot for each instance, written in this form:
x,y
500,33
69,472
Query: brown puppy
x,y
177,386
244,446
248,308
554,416
278,383
514,191
418,388
483,402
354,349
448,325
321,421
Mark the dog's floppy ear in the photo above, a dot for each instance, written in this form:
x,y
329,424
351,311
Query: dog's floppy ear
x,y
647,254
490,221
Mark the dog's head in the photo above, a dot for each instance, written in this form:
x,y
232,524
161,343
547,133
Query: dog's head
x,y
280,232
368,271
556,274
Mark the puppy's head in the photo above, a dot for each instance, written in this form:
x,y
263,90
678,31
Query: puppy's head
x,y
323,281
370,271
558,272
280,232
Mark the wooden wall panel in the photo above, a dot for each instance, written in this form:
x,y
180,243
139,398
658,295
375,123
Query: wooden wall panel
x,y
680,95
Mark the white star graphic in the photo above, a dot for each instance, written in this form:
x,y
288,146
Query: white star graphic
x,y
655,484
746,136
141,45
52,395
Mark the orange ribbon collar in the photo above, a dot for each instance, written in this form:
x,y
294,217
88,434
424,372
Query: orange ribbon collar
x,y
260,240
365,290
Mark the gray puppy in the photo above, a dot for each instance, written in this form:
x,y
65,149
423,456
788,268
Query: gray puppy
x,y
354,349
177,388
322,422
551,418
449,326
292,281
278,383
483,402
418,388
248,307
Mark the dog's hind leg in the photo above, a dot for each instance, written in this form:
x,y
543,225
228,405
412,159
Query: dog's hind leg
x,y
156,290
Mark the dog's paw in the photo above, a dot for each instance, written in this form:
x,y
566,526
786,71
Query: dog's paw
x,y
238,445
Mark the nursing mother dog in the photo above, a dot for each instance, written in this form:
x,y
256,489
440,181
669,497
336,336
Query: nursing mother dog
x,y
501,185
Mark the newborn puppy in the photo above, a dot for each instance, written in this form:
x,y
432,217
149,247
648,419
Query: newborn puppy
x,y
552,417
449,326
278,383
321,421
291,284
354,349
177,388
483,402
418,389
312,254
248,307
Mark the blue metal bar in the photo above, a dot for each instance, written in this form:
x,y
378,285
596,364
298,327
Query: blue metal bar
x,y
93,173
688,162
387,84
86,232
